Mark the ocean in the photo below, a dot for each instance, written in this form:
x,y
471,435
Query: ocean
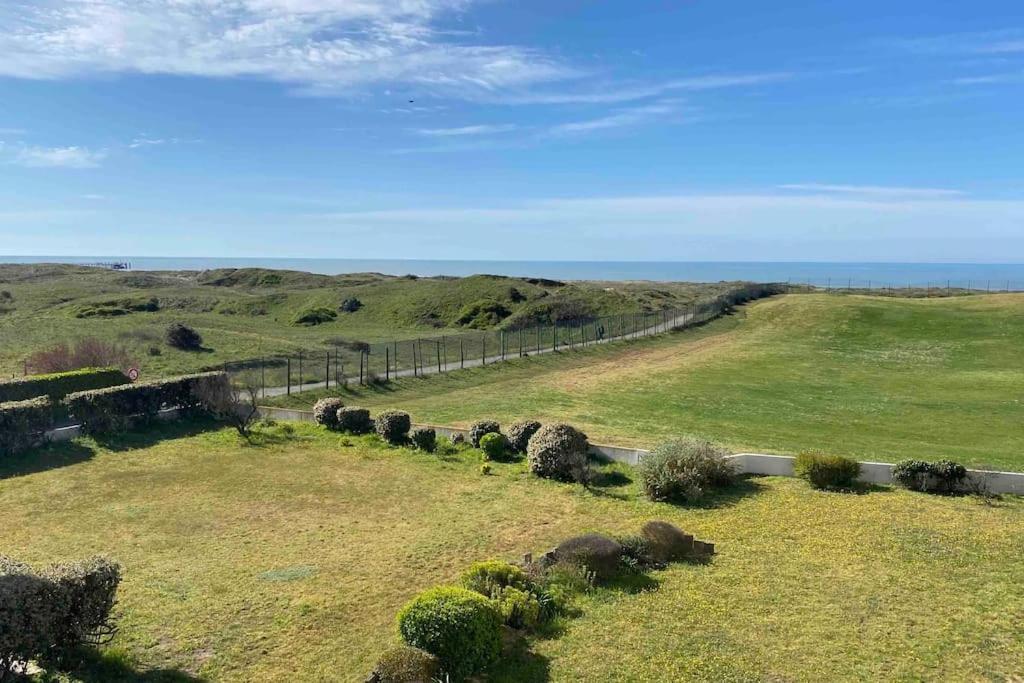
x,y
994,276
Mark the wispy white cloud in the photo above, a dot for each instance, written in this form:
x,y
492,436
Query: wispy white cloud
x,y
94,197
320,45
874,190
59,157
612,93
1004,41
990,79
462,131
13,132
147,142
632,116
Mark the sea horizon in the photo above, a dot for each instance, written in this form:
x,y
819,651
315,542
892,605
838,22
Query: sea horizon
x,y
861,274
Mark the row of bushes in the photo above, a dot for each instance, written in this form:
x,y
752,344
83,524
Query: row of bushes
x,y
110,409
455,632
57,385
46,615
115,408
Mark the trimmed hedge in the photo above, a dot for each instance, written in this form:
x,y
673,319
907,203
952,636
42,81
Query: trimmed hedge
x,y
50,613
519,434
59,384
944,476
685,469
481,427
825,471
425,439
114,408
393,426
325,411
22,423
354,420
494,445
460,627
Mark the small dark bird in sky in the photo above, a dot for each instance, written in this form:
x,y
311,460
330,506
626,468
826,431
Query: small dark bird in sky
x,y
411,101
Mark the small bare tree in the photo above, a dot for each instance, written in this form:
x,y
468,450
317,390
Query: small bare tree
x,y
230,401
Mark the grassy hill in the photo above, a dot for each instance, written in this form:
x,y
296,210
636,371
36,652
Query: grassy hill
x,y
244,313
876,378
287,559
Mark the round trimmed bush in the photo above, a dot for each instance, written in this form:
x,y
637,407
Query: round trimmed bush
x,y
406,664
353,420
559,451
944,476
825,471
685,469
666,541
325,412
425,439
598,553
519,435
481,427
393,426
494,445
460,627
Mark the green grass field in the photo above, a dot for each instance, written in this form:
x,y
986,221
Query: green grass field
x,y
249,313
288,559
876,378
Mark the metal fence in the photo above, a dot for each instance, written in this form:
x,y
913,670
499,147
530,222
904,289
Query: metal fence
x,y
364,363
909,287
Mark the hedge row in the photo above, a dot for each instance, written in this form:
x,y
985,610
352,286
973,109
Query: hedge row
x,y
60,384
114,408
22,423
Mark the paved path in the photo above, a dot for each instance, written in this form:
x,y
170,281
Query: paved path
x,y
670,324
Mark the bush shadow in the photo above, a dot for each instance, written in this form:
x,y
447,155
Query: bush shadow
x,y
746,485
47,457
93,666
521,665
152,433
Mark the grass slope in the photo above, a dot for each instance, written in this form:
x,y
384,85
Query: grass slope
x,y
876,378
288,559
247,313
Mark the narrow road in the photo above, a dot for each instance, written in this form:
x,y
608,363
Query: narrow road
x,y
661,327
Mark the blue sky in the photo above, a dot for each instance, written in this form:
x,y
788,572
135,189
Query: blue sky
x,y
666,130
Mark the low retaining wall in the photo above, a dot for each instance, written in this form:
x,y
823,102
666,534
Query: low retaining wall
x,y
73,431
746,463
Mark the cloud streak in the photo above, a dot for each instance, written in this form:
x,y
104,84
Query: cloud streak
x,y
874,190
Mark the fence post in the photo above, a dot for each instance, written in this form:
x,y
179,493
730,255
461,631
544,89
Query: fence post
x,y
437,347
444,350
288,381
483,350
462,353
362,355
538,337
327,372
387,363
300,371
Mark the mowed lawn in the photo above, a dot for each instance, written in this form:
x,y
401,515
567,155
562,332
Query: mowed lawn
x,y
875,378
286,560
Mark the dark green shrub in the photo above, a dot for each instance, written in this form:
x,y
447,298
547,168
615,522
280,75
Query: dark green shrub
x,y
325,412
350,305
22,423
666,542
84,595
944,476
825,471
314,316
181,336
494,445
685,469
481,427
491,575
460,627
598,553
393,426
519,435
352,420
59,384
425,439
483,314
559,451
637,554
